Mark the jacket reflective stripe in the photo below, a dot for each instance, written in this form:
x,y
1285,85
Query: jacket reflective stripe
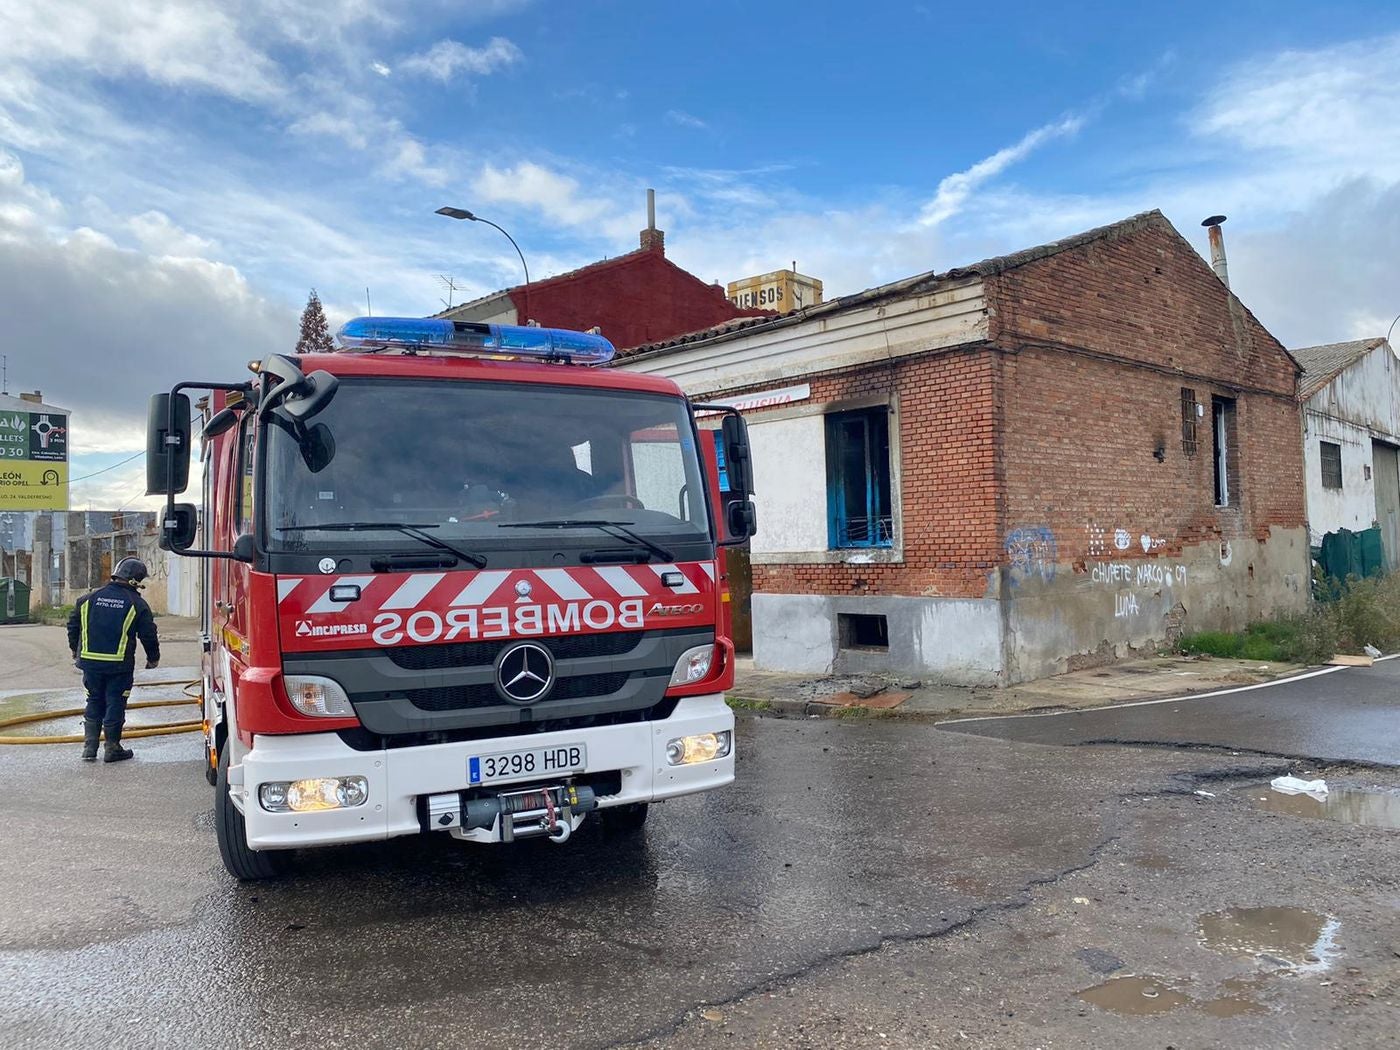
x,y
125,637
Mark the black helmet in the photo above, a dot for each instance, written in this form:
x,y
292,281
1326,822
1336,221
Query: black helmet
x,y
132,570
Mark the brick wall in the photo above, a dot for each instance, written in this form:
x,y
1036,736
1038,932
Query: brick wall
x,y
1106,336
638,298
947,479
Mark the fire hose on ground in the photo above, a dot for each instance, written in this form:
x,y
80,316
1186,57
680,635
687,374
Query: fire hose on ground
x,y
161,729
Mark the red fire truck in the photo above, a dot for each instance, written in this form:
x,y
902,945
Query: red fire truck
x,y
458,579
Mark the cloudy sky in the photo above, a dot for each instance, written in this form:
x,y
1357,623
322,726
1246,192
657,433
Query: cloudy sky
x,y
175,176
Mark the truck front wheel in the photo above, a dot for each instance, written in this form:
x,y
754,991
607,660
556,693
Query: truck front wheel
x,y
244,864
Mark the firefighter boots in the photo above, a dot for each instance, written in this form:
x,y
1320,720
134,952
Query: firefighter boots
x,y
92,729
115,751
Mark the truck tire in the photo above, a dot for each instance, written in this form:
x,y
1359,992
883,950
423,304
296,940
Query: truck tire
x,y
244,864
623,820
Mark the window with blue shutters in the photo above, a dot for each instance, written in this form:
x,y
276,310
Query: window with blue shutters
x,y
858,478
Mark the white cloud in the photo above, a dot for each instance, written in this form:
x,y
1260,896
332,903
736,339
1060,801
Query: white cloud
x,y
380,68
955,189
558,197
186,44
159,236
685,120
447,58
98,327
1335,107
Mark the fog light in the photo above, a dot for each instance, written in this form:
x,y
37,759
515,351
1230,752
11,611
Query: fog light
x,y
312,795
319,697
703,747
273,796
694,665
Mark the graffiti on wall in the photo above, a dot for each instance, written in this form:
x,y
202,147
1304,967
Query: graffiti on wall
x,y
1131,581
1030,552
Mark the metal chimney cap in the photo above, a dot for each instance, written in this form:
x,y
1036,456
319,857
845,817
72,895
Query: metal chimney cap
x,y
1214,220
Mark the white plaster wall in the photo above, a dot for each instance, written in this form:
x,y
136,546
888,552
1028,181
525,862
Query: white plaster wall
x,y
1354,505
1367,393
955,640
794,633
789,461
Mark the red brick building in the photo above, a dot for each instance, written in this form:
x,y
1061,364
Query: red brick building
x,y
640,297
1015,468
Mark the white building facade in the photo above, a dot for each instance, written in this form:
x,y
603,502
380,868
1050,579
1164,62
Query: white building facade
x,y
1351,439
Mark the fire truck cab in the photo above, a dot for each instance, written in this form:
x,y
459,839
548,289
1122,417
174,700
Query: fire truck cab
x,y
457,580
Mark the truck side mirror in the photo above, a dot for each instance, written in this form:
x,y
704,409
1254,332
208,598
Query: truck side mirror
x,y
299,395
167,449
737,463
742,519
223,420
178,527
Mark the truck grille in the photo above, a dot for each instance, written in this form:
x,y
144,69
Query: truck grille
x,y
461,698
474,654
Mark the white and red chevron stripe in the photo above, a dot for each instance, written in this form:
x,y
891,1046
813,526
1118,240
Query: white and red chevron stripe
x,y
311,619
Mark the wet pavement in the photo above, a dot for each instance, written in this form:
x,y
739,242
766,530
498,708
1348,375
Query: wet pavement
x,y
872,883
1349,714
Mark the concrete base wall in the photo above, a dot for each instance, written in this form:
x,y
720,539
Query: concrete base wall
x,y
1074,615
953,640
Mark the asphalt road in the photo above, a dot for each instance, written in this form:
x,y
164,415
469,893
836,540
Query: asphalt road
x,y
1342,715
862,884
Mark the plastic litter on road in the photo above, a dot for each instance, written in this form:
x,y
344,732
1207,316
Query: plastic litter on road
x,y
1296,786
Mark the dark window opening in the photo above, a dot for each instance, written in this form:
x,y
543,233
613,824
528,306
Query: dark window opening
x,y
1222,413
1189,412
1331,464
858,478
862,631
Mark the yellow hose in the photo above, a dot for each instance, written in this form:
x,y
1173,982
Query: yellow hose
x,y
164,729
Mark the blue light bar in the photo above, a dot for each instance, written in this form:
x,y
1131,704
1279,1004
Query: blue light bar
x,y
436,335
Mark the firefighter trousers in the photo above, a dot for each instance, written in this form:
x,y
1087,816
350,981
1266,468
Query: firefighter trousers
x,y
107,692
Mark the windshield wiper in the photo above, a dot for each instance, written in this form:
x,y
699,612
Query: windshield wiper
x,y
415,531
619,528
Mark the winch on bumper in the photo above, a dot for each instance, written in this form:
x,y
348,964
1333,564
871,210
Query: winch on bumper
x,y
405,791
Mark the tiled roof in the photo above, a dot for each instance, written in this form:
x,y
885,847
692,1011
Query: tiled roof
x,y
996,264
1322,364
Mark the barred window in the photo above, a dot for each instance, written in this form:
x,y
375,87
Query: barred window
x,y
1189,413
1331,464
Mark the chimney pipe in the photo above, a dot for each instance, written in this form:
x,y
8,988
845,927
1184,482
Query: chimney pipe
x,y
1217,248
651,209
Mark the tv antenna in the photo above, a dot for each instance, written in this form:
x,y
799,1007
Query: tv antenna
x,y
448,282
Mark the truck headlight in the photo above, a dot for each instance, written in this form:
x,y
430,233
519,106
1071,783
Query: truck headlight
x,y
317,793
703,747
318,697
694,665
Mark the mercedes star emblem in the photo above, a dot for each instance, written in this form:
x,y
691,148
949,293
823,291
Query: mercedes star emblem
x,y
524,673
523,589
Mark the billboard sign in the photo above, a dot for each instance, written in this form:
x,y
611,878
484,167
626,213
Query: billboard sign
x,y
33,457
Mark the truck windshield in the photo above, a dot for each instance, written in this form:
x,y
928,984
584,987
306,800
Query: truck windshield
x,y
486,466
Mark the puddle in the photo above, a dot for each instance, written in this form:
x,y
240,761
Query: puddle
x,y
1369,807
1229,1006
1290,938
1134,996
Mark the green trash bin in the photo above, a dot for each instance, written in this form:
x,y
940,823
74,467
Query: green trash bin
x,y
14,600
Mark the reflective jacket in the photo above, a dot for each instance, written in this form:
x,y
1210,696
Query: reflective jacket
x,y
105,625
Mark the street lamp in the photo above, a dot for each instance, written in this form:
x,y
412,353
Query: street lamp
x,y
1391,328
462,213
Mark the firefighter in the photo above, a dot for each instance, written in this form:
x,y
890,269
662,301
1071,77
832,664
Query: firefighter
x,y
102,635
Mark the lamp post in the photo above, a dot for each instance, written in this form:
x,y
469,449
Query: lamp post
x,y
1391,328
462,213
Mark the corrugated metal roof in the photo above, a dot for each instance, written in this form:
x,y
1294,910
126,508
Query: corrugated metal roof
x,y
994,265
1322,364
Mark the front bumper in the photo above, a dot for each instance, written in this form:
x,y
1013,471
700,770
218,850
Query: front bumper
x,y
399,777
